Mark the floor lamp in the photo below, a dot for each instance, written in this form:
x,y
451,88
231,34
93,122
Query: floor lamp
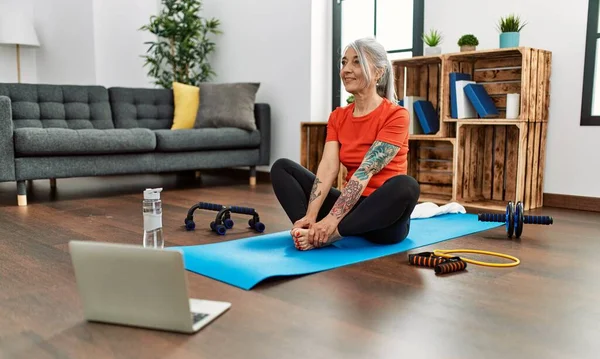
x,y
18,30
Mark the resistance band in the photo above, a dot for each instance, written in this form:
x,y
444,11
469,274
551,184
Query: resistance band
x,y
444,253
442,262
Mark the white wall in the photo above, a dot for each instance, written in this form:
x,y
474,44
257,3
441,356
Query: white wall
x,y
320,70
268,41
82,42
8,53
556,26
119,44
66,32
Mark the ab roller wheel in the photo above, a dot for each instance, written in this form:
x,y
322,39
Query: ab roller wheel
x,y
515,219
223,220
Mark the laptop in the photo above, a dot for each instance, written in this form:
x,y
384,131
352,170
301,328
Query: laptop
x,y
136,286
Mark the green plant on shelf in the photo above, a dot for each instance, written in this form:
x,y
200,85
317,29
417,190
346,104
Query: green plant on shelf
x,y
511,23
468,40
433,38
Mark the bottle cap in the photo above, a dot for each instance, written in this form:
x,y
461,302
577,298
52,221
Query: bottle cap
x,y
152,193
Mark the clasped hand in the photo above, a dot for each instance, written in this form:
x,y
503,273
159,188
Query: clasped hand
x,y
318,232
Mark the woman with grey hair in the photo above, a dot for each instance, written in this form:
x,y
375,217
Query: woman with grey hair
x,y
370,138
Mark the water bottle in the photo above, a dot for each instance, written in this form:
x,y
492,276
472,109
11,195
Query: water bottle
x,y
152,210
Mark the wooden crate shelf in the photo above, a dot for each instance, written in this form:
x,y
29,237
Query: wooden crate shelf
x,y
495,160
312,140
312,143
487,163
516,70
431,163
421,77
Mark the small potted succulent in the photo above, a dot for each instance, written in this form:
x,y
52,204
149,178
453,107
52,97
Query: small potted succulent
x,y
468,42
510,28
433,40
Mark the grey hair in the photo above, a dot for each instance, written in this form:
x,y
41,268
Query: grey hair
x,y
370,50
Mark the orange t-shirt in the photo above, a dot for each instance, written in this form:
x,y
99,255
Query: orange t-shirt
x,y
387,123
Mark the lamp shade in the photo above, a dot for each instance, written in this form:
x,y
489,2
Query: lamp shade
x,y
17,29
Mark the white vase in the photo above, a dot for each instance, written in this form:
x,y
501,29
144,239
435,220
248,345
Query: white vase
x,y
435,50
512,105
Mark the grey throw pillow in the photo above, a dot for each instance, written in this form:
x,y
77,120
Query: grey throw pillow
x,y
227,105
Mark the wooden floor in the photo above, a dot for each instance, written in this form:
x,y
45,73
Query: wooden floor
x,y
545,308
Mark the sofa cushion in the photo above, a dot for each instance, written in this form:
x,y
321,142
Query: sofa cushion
x,y
141,107
186,98
206,139
58,106
227,105
61,141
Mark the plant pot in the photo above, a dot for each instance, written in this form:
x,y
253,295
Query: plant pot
x,y
464,48
509,39
435,50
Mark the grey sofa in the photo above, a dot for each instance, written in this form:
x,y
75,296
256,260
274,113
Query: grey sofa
x,y
60,131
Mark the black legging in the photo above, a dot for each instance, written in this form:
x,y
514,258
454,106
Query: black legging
x,y
382,217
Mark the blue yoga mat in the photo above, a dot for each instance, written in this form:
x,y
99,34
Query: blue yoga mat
x,y
248,261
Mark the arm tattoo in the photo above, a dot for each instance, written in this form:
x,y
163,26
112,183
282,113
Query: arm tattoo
x,y
347,199
313,191
378,156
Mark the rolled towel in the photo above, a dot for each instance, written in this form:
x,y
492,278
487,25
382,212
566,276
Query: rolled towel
x,y
430,209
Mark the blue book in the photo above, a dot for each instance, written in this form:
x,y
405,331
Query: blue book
x,y
483,103
455,76
428,117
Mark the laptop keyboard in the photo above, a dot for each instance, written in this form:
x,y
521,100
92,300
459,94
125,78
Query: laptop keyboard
x,y
196,317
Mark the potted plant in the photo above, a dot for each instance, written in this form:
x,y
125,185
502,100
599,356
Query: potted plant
x,y
510,28
433,39
180,52
468,42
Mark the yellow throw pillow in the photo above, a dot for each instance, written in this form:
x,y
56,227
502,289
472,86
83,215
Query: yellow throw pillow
x,y
186,100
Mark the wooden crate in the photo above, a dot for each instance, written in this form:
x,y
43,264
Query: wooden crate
x,y
431,163
312,143
533,186
501,71
498,163
421,76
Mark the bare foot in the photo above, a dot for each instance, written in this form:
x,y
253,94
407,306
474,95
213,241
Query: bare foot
x,y
300,236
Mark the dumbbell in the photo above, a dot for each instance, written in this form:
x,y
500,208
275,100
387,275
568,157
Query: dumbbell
x,y
514,219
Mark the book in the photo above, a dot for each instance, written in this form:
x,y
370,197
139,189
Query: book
x,y
408,102
482,102
455,76
428,117
464,107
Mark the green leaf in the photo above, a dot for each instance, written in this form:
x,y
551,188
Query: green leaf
x,y
433,38
186,58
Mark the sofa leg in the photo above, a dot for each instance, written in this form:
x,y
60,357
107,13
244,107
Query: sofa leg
x,y
252,175
22,193
52,183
